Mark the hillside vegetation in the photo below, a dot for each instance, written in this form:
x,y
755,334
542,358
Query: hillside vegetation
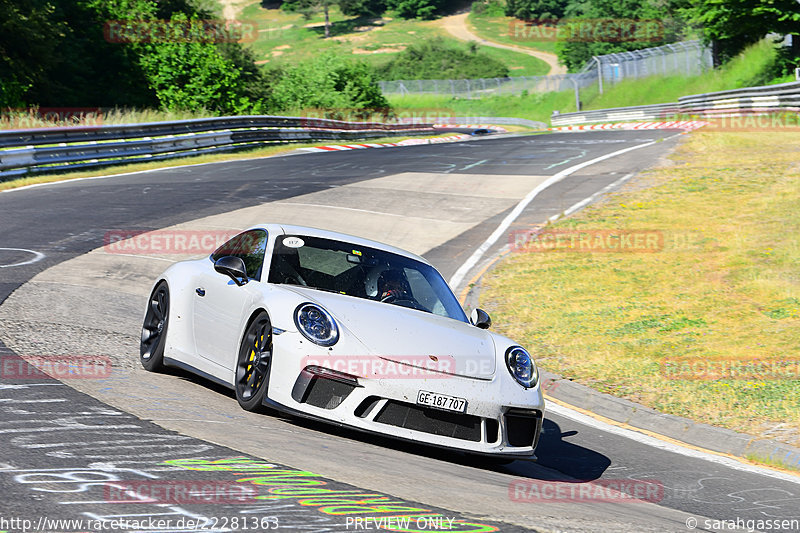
x,y
756,65
182,57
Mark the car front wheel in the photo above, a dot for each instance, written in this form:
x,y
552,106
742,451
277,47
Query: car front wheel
x,y
154,329
253,363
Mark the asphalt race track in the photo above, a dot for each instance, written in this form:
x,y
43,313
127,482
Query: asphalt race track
x,y
83,449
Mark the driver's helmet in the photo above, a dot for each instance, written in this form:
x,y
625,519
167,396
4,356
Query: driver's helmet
x,y
393,282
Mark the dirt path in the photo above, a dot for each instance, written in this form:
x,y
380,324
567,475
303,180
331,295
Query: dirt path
x,y
457,26
231,8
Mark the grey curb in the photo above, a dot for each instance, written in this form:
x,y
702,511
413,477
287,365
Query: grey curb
x,y
682,429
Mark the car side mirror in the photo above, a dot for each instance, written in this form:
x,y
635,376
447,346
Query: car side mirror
x,y
232,267
480,318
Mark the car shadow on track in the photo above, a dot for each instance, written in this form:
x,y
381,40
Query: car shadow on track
x,y
556,454
558,458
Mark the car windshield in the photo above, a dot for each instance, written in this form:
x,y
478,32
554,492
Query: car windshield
x,y
362,272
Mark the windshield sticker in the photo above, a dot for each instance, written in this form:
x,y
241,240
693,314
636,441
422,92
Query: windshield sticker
x,y
293,242
356,252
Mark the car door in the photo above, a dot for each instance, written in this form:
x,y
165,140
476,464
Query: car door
x,y
219,302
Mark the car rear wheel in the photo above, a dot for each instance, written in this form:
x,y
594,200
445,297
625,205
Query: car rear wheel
x,y
253,363
154,329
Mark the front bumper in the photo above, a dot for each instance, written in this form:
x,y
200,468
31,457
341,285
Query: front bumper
x,y
501,417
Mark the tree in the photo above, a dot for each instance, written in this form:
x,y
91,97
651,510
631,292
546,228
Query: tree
x,y
362,8
421,9
188,73
308,7
542,10
608,26
53,53
187,63
28,30
734,24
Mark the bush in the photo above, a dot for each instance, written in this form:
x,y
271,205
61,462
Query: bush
x,y
435,59
327,82
535,9
420,9
490,8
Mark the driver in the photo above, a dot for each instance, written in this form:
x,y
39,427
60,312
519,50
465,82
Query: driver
x,y
393,285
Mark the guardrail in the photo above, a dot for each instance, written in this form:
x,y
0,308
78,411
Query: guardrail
x,y
48,149
500,121
732,103
643,112
767,98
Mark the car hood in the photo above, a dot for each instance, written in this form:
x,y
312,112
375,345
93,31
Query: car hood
x,y
409,336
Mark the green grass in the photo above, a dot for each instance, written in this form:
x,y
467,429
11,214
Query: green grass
x,y
518,64
722,288
504,30
750,68
532,106
24,120
776,462
285,39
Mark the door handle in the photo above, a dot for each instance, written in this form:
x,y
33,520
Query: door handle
x,y
200,291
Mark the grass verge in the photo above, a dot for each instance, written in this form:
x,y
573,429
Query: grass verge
x,y
507,30
723,292
754,66
531,106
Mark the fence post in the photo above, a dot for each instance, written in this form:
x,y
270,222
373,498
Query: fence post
x,y
577,94
599,73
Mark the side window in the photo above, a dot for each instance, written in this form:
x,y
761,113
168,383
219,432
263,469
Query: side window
x,y
250,246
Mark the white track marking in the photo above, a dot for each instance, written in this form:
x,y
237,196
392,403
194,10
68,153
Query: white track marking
x,y
37,256
668,446
470,263
592,198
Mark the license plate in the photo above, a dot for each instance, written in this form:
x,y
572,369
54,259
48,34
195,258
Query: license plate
x,y
442,401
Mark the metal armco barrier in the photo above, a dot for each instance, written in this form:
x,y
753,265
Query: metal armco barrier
x,y
766,99
47,149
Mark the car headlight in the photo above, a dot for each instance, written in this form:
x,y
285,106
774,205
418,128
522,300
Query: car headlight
x,y
521,365
316,324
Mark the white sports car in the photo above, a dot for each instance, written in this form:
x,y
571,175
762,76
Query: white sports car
x,y
348,331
